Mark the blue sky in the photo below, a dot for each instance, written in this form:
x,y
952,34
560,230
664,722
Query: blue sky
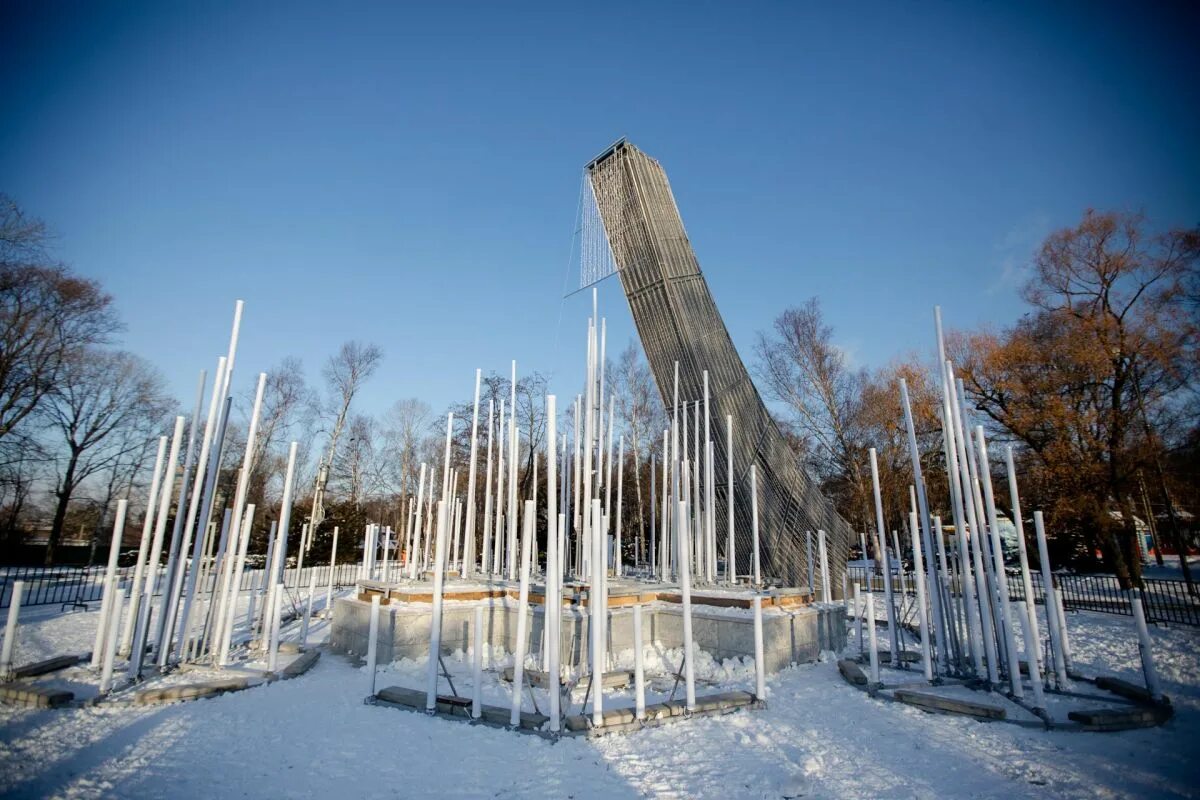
x,y
408,174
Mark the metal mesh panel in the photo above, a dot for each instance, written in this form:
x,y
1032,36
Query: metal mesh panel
x,y
677,320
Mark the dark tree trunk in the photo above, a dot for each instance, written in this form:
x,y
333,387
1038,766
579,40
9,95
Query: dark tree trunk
x,y
63,493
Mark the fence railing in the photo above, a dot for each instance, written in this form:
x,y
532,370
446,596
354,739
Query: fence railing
x,y
80,585
1166,601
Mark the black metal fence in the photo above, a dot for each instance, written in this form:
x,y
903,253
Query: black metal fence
x,y
80,585
1166,601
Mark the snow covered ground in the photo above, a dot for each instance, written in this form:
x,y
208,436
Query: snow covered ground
x,y
314,737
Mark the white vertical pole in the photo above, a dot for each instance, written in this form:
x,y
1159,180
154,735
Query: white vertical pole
x,y
468,562
826,592
1026,581
110,644
930,552
312,589
1010,639
664,527
276,616
754,522
138,654
639,667
514,717
414,559
10,630
143,548
858,615
110,576
1051,602
477,667
332,571
552,604
620,495
881,546
871,641
485,560
1025,616
760,667
685,587
922,613
596,617
373,640
435,625
1144,646
513,453
730,547
234,589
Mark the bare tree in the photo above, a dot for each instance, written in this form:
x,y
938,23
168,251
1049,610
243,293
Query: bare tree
x,y
345,373
404,433
100,396
47,315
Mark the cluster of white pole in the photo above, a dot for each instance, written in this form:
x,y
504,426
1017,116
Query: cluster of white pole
x,y
966,618
186,608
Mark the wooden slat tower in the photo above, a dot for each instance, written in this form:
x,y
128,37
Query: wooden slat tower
x,y
677,320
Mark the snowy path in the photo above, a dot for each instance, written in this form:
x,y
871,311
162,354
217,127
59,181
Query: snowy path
x,y
314,737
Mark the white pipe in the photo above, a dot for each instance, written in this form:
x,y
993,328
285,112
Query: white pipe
x,y
881,546
373,641
620,495
826,593
1051,602
922,614
514,716
730,548
552,604
1010,640
110,645
487,499
1026,581
468,565
858,615
144,546
1025,617
596,617
1060,608
477,668
501,494
435,625
957,477
204,470
110,576
138,654
276,617
935,596
685,588
754,523
414,559
176,556
760,667
639,667
235,588
874,652
513,453
1144,646
312,589
10,630
332,570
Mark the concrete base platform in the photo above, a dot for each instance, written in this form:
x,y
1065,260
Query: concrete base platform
x,y
618,679
33,696
792,634
623,720
191,691
950,705
457,707
1120,719
49,665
